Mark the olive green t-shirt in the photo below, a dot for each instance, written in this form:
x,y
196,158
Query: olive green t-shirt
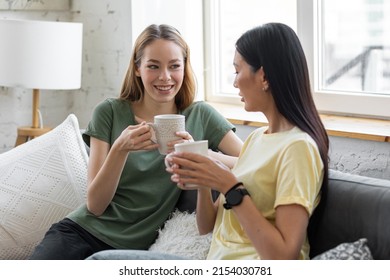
x,y
145,195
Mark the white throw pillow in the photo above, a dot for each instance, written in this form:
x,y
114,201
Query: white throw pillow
x,y
357,250
41,181
180,237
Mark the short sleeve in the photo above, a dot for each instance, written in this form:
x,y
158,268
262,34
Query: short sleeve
x,y
100,125
300,175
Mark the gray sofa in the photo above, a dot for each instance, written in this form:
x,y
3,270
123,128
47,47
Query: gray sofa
x,y
43,180
357,207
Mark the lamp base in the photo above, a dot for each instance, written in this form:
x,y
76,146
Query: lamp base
x,y
28,133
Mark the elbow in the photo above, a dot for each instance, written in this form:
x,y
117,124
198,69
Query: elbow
x,y
94,210
204,230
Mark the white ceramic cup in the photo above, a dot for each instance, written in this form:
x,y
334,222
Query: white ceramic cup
x,y
165,127
199,147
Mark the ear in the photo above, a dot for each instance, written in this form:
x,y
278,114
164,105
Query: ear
x,y
137,73
262,78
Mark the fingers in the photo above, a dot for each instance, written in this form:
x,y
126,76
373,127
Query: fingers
x,y
194,169
185,137
139,137
187,167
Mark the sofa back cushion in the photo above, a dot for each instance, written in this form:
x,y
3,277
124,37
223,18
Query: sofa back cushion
x,y
187,200
356,207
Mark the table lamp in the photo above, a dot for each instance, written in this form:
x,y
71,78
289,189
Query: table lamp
x,y
39,55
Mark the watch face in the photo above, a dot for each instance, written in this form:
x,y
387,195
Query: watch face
x,y
234,197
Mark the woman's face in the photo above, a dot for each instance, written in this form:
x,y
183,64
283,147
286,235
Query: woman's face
x,y
250,85
162,70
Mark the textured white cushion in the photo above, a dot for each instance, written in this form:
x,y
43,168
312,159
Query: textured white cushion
x,y
180,237
357,250
41,181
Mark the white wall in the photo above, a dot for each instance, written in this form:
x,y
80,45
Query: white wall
x,y
107,43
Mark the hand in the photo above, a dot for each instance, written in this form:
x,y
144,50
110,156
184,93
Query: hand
x,y
191,168
135,138
186,137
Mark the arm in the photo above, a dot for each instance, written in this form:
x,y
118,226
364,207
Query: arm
x,y
280,241
106,164
230,146
206,211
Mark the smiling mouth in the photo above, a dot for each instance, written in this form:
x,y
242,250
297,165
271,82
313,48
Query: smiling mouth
x,y
164,88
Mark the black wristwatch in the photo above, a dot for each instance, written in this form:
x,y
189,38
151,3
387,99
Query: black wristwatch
x,y
234,197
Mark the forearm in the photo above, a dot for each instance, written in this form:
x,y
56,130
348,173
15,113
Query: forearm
x,y
206,211
102,188
282,240
229,161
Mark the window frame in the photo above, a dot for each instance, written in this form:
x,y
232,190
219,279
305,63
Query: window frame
x,y
210,8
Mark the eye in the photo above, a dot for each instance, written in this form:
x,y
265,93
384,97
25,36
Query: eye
x,y
175,66
152,66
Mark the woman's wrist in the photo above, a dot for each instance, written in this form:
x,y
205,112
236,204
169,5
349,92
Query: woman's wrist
x,y
235,186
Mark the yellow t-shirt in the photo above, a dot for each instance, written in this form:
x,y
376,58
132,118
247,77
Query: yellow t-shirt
x,y
276,169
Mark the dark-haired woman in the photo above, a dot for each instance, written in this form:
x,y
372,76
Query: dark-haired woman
x,y
269,196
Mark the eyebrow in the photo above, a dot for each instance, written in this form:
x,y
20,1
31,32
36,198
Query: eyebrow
x,y
171,61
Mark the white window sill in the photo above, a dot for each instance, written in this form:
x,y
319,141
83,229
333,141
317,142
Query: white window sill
x,y
351,127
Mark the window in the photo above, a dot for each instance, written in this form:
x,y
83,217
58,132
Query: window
x,y
354,47
227,20
346,43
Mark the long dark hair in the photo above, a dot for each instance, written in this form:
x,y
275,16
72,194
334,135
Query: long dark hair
x,y
133,88
276,48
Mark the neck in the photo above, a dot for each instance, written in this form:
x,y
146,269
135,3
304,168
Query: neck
x,y
278,123
145,111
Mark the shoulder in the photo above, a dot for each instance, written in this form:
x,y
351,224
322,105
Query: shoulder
x,y
297,135
300,142
113,103
110,105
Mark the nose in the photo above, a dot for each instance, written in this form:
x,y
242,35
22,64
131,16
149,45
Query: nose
x,y
165,75
235,83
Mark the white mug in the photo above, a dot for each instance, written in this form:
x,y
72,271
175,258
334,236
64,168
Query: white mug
x,y
165,128
199,147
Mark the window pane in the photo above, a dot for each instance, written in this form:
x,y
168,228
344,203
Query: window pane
x,y
231,19
355,45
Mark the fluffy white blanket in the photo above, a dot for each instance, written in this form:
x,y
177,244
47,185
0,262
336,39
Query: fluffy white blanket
x,y
180,237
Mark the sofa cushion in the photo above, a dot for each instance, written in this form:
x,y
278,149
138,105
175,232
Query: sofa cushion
x,y
357,250
357,207
187,200
41,181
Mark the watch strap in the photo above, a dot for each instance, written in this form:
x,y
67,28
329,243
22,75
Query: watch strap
x,y
234,187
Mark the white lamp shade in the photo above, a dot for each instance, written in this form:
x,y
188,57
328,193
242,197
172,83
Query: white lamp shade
x,y
40,54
